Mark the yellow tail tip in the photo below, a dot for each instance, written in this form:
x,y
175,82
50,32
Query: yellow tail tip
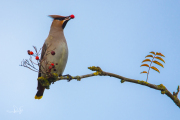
x,y
38,97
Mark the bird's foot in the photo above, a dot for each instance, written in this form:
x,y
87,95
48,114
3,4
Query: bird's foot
x,y
69,77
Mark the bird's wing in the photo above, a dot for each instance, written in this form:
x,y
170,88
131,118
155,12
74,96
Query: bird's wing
x,y
40,87
44,48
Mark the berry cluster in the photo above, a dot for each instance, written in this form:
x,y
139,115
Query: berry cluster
x,y
31,53
36,55
52,66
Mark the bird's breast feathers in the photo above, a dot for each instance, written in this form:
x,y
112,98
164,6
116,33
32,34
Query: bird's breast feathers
x,y
61,54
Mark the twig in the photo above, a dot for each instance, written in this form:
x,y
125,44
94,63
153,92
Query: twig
x,y
39,51
99,72
35,49
176,93
30,59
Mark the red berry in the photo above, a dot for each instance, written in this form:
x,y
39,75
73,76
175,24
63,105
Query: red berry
x,y
52,64
37,58
72,16
52,53
31,53
50,67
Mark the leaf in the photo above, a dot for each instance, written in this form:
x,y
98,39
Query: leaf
x,y
159,58
143,72
158,63
146,60
144,65
160,54
154,68
149,56
152,52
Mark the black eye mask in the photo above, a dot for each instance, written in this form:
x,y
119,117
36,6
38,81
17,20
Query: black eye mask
x,y
64,24
60,18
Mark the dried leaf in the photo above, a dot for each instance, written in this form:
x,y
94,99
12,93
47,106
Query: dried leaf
x,y
143,72
152,52
154,68
146,60
159,58
160,54
144,65
158,63
149,56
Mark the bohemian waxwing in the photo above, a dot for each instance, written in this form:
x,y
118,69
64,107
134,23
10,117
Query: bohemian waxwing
x,y
56,42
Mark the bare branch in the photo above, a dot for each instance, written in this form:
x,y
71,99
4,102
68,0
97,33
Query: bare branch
x,y
35,49
30,59
99,72
39,51
176,93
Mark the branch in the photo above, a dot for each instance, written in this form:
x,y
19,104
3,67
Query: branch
x,y
99,72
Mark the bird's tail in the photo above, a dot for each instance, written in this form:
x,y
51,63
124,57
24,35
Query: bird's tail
x,y
40,91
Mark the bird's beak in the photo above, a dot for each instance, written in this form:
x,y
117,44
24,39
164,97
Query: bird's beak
x,y
66,20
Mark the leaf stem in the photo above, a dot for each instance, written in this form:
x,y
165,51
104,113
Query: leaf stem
x,y
150,67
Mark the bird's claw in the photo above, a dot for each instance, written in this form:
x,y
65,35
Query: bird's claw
x,y
69,77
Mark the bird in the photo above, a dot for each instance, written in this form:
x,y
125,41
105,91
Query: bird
x,y
55,41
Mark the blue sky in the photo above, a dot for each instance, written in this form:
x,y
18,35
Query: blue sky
x,y
115,35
